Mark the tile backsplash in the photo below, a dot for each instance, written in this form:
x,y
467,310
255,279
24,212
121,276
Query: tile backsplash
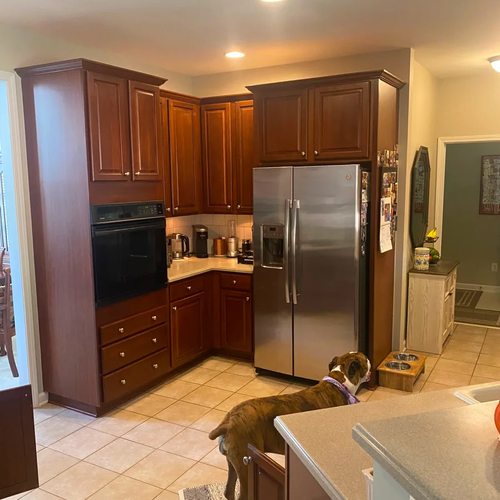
x,y
217,227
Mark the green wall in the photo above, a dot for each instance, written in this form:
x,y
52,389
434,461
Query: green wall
x,y
471,238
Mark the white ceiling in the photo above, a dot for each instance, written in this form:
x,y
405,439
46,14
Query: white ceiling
x,y
190,36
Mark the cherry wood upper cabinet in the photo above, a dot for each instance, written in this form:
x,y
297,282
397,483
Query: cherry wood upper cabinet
x,y
243,156
185,158
236,320
281,126
217,164
109,131
17,443
165,147
145,126
341,125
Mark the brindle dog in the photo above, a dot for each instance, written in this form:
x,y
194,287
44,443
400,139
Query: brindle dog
x,y
252,422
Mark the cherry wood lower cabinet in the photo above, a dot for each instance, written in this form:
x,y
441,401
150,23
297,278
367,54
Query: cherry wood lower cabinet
x,y
18,463
236,320
266,478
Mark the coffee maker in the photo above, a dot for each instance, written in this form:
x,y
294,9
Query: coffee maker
x,y
200,238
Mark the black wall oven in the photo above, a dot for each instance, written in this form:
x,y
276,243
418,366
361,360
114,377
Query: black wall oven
x,y
129,247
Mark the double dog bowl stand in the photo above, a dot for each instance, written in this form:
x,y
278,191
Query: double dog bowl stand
x,y
400,370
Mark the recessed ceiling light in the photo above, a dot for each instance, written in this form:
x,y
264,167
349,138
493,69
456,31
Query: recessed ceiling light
x,y
235,55
495,63
272,1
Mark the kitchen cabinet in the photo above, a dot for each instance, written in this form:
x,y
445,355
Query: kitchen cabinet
x,y
266,478
145,128
109,127
17,442
228,154
236,321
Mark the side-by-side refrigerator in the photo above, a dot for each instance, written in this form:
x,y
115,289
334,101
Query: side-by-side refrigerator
x,y
310,251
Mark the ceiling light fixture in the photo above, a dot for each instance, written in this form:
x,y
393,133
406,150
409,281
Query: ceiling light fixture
x,y
235,55
495,62
272,1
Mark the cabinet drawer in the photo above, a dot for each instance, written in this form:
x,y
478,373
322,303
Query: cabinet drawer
x,y
233,281
136,375
186,288
451,282
133,324
133,348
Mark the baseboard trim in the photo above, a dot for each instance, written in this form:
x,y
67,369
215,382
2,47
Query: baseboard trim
x,y
43,398
482,288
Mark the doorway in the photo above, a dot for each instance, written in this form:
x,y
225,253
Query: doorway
x,y
470,227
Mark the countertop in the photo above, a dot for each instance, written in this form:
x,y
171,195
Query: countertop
x,y
181,269
444,268
447,455
323,439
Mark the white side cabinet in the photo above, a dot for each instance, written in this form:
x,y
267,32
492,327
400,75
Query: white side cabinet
x,y
431,307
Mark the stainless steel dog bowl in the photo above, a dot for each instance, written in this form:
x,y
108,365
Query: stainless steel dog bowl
x,y
403,356
397,365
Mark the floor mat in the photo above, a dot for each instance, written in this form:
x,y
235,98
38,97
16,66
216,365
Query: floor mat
x,y
477,316
468,298
206,492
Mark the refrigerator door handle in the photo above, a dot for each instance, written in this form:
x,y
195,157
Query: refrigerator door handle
x,y
286,245
295,214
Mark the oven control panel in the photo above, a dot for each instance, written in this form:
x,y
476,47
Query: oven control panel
x,y
101,214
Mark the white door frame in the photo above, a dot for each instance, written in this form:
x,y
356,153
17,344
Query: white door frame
x,y
24,230
441,171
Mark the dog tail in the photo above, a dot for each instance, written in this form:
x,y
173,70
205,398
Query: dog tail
x,y
219,431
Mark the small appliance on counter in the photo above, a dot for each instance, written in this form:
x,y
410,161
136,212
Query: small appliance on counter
x,y
232,241
246,256
200,237
169,251
220,247
180,245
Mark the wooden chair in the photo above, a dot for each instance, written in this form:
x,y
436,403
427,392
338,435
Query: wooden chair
x,y
6,330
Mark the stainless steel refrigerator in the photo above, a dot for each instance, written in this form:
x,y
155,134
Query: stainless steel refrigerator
x,y
309,269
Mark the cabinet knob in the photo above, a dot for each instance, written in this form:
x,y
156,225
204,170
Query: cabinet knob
x,y
122,355
137,173
229,207
154,340
123,381
127,173
234,282
248,299
238,207
189,287
153,318
121,330
303,153
315,153
155,366
174,308
176,208
247,460
168,209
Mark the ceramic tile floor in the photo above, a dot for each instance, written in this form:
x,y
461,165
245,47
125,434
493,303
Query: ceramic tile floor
x,y
158,444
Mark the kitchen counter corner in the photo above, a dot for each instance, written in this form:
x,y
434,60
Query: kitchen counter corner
x,y
194,266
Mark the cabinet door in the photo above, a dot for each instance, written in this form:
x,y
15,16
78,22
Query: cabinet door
x,y
266,478
342,122
19,472
185,161
165,148
217,167
109,130
186,323
281,123
236,321
145,126
243,156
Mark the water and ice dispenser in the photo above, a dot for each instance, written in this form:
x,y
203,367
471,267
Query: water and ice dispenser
x,y
272,245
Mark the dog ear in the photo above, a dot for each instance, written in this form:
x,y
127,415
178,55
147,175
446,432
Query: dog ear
x,y
353,368
333,363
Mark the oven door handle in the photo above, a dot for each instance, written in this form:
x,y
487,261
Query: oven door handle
x,y
98,231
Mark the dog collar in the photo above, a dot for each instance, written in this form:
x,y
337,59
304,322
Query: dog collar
x,y
351,398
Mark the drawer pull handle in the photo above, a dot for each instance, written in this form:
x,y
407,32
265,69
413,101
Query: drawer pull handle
x,y
303,153
238,207
248,299
189,287
155,366
153,318
174,308
137,173
176,209
234,282
122,355
229,207
121,330
123,381
154,340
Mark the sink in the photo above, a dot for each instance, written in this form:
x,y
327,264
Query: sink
x,y
483,393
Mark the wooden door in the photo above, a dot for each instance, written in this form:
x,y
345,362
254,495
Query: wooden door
x,y
281,126
341,127
266,478
145,127
217,161
165,148
243,156
18,463
109,131
236,320
187,328
185,159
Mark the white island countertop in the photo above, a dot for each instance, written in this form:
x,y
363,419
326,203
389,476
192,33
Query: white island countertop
x,y
193,266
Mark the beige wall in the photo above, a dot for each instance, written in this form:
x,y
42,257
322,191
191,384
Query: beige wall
x,y
20,47
395,61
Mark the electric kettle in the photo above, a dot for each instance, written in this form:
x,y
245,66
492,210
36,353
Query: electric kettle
x,y
180,245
